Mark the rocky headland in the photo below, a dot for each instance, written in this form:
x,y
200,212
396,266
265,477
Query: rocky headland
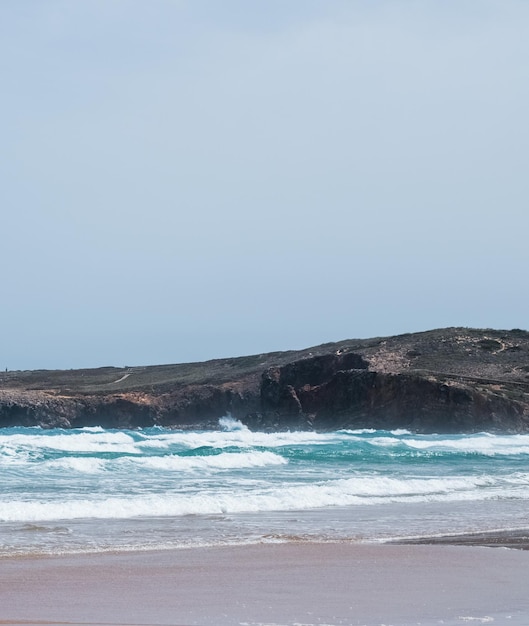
x,y
451,380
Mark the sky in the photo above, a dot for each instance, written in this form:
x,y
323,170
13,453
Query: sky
x,y
183,180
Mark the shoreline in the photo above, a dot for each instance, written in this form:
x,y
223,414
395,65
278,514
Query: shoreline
x,y
272,584
515,539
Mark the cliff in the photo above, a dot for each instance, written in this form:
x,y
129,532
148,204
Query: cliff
x,y
449,380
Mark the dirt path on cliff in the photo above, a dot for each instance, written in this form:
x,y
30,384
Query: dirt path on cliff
x,y
120,379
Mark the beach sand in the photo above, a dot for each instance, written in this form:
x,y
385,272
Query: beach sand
x,y
330,583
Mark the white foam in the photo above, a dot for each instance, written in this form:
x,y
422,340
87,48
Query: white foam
x,y
104,441
226,460
84,465
227,499
387,487
483,443
358,431
242,438
384,442
167,463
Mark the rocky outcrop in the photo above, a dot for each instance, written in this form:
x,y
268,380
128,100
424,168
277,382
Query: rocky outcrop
x,y
450,380
358,398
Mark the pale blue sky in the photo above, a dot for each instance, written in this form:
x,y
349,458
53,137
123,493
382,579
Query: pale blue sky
x,y
182,180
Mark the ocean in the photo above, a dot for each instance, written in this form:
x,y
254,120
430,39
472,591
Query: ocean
x,y
96,490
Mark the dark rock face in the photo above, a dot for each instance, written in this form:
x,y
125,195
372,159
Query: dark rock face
x,y
451,380
360,398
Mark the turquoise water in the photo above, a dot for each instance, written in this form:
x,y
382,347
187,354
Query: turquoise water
x,y
95,490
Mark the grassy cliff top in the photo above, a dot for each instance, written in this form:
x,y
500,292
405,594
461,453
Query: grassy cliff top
x,y
501,355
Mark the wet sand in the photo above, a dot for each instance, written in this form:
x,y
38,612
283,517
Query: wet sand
x,y
272,584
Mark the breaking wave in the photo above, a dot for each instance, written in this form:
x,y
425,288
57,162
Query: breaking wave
x,y
343,492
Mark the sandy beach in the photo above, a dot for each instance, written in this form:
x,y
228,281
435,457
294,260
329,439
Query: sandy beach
x,y
273,584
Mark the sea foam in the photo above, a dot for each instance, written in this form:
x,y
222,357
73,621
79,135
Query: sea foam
x,y
223,499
